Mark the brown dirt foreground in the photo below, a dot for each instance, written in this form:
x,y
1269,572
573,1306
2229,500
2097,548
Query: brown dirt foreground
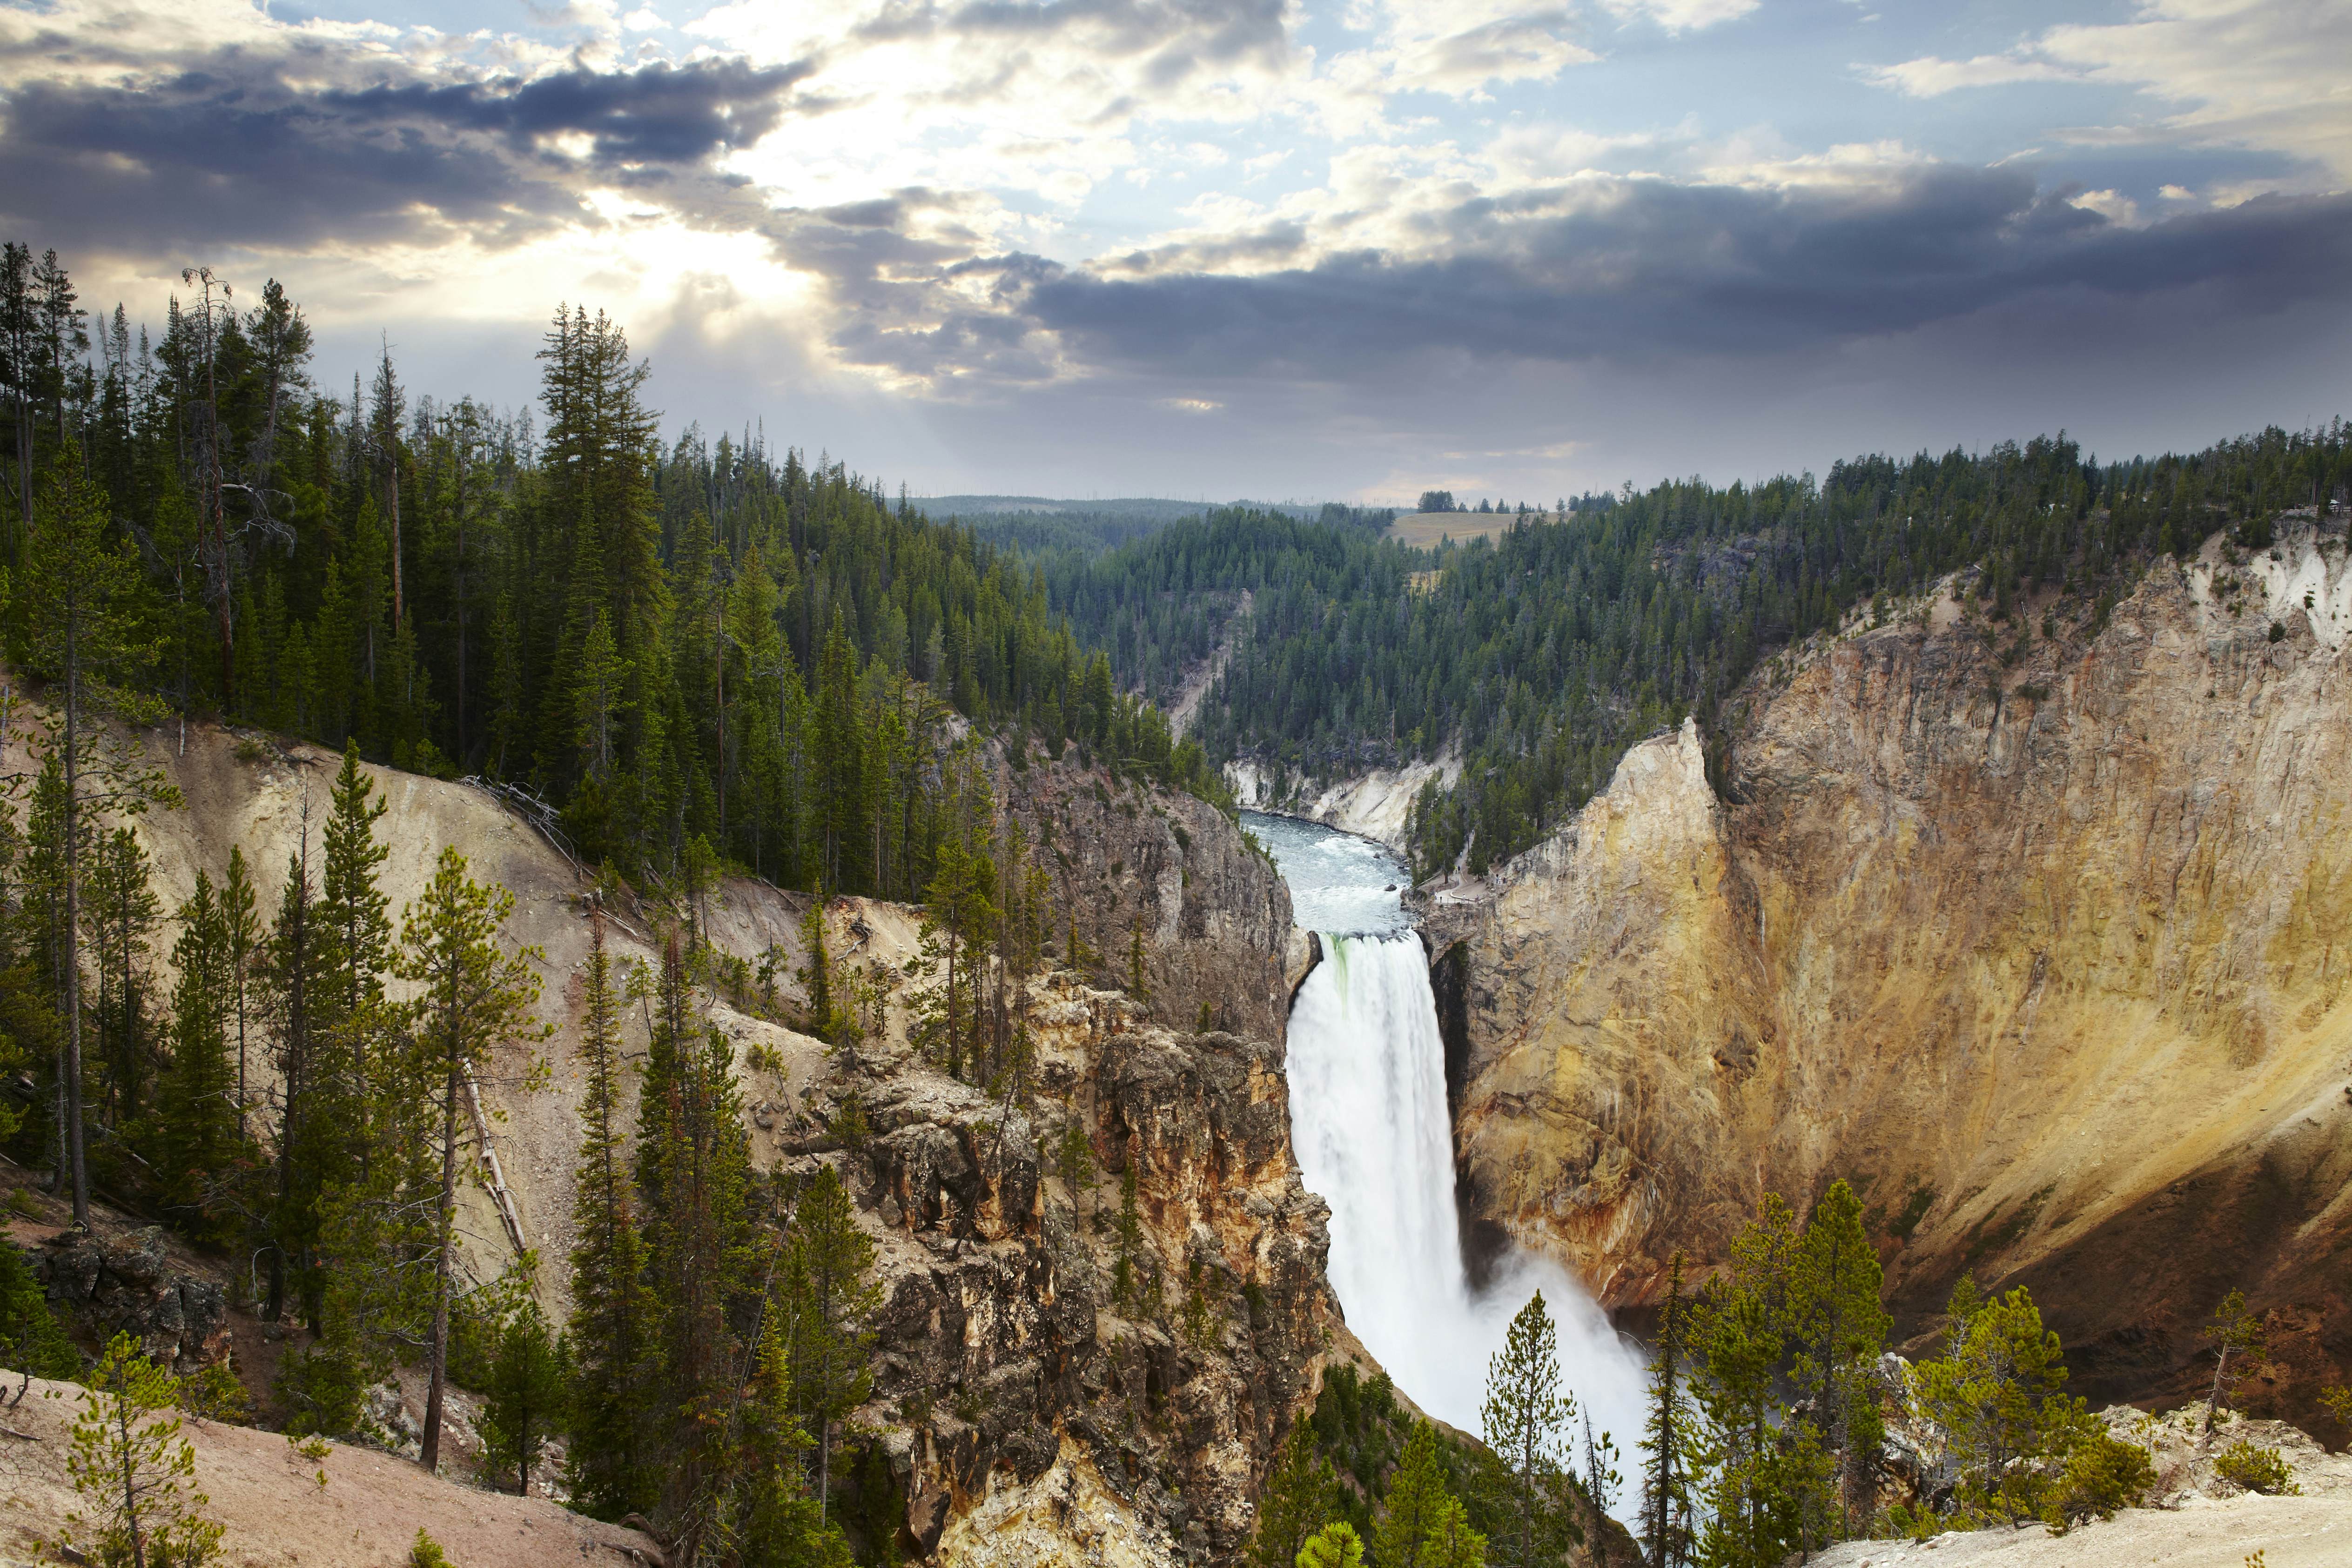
x,y
366,1516
2289,1531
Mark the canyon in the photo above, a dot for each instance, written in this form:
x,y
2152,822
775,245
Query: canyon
x,y
2039,940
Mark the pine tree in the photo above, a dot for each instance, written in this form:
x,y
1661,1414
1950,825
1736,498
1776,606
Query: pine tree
x,y
775,1522
196,1140
1755,1496
241,926
523,1404
1670,1438
2234,1330
1127,1285
133,1470
78,606
695,1173
830,1268
353,929
305,1141
614,1313
1422,1523
1296,1503
122,915
472,1002
1335,1545
1839,1329
1525,1416
1997,1394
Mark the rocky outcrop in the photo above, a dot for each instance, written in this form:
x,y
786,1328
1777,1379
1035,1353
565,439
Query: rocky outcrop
x,y
1375,803
1016,1380
1213,912
2039,940
131,1281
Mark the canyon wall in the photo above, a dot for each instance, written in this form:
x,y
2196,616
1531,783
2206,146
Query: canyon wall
x,y
1024,1410
2044,947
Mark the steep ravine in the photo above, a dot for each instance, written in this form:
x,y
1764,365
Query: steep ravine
x,y
2049,957
1024,1417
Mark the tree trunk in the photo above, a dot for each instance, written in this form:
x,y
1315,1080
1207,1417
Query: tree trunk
x,y
74,1153
429,1455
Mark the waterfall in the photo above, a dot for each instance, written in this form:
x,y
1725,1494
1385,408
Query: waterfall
x,y
1368,1120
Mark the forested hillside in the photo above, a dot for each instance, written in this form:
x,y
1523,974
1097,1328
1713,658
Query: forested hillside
x,y
701,643
699,658
1543,654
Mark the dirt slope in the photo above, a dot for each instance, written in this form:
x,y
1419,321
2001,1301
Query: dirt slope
x,y
277,1515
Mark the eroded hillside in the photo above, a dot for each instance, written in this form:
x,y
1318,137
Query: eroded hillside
x,y
1023,1410
2042,942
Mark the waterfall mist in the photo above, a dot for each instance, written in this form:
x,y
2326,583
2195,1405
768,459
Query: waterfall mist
x,y
1368,1112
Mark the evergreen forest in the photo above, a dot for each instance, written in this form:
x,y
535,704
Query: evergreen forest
x,y
1538,657
672,644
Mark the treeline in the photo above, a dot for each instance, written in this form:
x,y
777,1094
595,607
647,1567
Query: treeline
x,y
1162,605
672,644
1542,655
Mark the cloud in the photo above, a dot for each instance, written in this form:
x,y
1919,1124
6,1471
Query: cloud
x,y
2263,74
1678,16
1644,271
1929,76
291,139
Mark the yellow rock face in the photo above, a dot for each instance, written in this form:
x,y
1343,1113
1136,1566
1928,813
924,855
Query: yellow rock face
x,y
2048,957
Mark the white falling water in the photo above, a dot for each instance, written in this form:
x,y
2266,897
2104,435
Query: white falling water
x,y
1368,1120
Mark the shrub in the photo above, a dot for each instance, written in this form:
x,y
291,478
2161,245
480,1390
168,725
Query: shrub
x,y
216,1393
2103,1474
426,1553
2256,1470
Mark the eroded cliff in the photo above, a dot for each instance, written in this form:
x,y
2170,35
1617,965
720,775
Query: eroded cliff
x,y
2043,945
1024,1410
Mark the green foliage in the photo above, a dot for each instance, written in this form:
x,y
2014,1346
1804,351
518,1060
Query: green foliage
x,y
2256,1468
1796,1311
614,1309
1672,1440
1296,1503
1526,1416
2103,1473
1543,654
1335,1545
32,1341
830,1294
1997,1392
425,1552
530,1374
198,1146
134,1471
1422,1523
2235,1331
216,1392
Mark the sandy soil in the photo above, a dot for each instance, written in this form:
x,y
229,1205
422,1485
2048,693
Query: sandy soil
x,y
2289,1531
366,1516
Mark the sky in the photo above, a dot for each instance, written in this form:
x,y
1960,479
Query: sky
x,y
1292,249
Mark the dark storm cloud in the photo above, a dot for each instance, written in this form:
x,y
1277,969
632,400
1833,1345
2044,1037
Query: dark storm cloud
x,y
1668,271
225,151
1181,35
